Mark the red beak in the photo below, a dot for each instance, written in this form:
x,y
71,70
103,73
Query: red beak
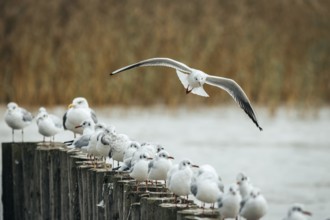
x,y
307,213
79,126
195,166
170,157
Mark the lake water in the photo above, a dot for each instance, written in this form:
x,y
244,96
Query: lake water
x,y
289,161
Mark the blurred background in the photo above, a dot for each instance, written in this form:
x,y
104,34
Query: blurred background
x,y
278,51
51,52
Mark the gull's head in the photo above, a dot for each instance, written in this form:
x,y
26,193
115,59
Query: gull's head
x,y
255,192
198,78
145,156
79,102
186,164
42,109
110,130
233,189
241,178
86,124
43,115
159,148
12,106
100,126
298,209
207,169
165,155
135,145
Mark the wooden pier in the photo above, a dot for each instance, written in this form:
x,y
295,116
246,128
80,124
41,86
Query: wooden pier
x,y
47,181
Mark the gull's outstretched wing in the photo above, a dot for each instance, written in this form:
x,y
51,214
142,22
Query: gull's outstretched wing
x,y
167,62
236,92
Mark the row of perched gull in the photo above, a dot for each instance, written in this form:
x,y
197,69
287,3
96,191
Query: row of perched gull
x,y
149,161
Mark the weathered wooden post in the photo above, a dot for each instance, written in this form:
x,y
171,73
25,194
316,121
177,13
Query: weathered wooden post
x,y
48,181
55,183
64,183
28,157
74,211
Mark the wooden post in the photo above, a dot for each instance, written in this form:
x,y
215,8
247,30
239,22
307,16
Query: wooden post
x,y
29,179
64,182
83,190
134,213
54,181
108,195
46,181
74,211
100,187
7,182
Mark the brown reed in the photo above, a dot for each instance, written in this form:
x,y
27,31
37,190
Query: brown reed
x,y
53,51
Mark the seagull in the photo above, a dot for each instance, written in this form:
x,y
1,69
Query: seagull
x,y
206,185
193,80
128,154
254,207
179,178
78,111
159,166
17,118
47,127
118,144
152,148
55,118
244,185
103,141
101,130
297,212
146,147
140,170
83,140
229,204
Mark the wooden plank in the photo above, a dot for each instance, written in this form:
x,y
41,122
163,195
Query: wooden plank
x,y
29,179
18,182
7,182
55,183
44,182
64,183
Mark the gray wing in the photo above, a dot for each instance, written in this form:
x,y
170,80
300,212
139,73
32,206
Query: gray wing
x,y
166,62
57,121
242,204
220,185
83,141
27,116
150,165
236,92
220,203
64,120
105,140
93,115
193,188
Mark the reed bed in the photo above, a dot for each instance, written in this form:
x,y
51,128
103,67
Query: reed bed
x,y
52,51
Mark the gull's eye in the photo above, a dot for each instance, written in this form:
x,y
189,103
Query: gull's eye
x,y
196,78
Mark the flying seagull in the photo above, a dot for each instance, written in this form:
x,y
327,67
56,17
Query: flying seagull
x,y
193,80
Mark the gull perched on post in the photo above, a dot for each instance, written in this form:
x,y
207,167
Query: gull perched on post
x,y
229,203
193,80
206,185
47,126
255,206
17,118
297,212
78,112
